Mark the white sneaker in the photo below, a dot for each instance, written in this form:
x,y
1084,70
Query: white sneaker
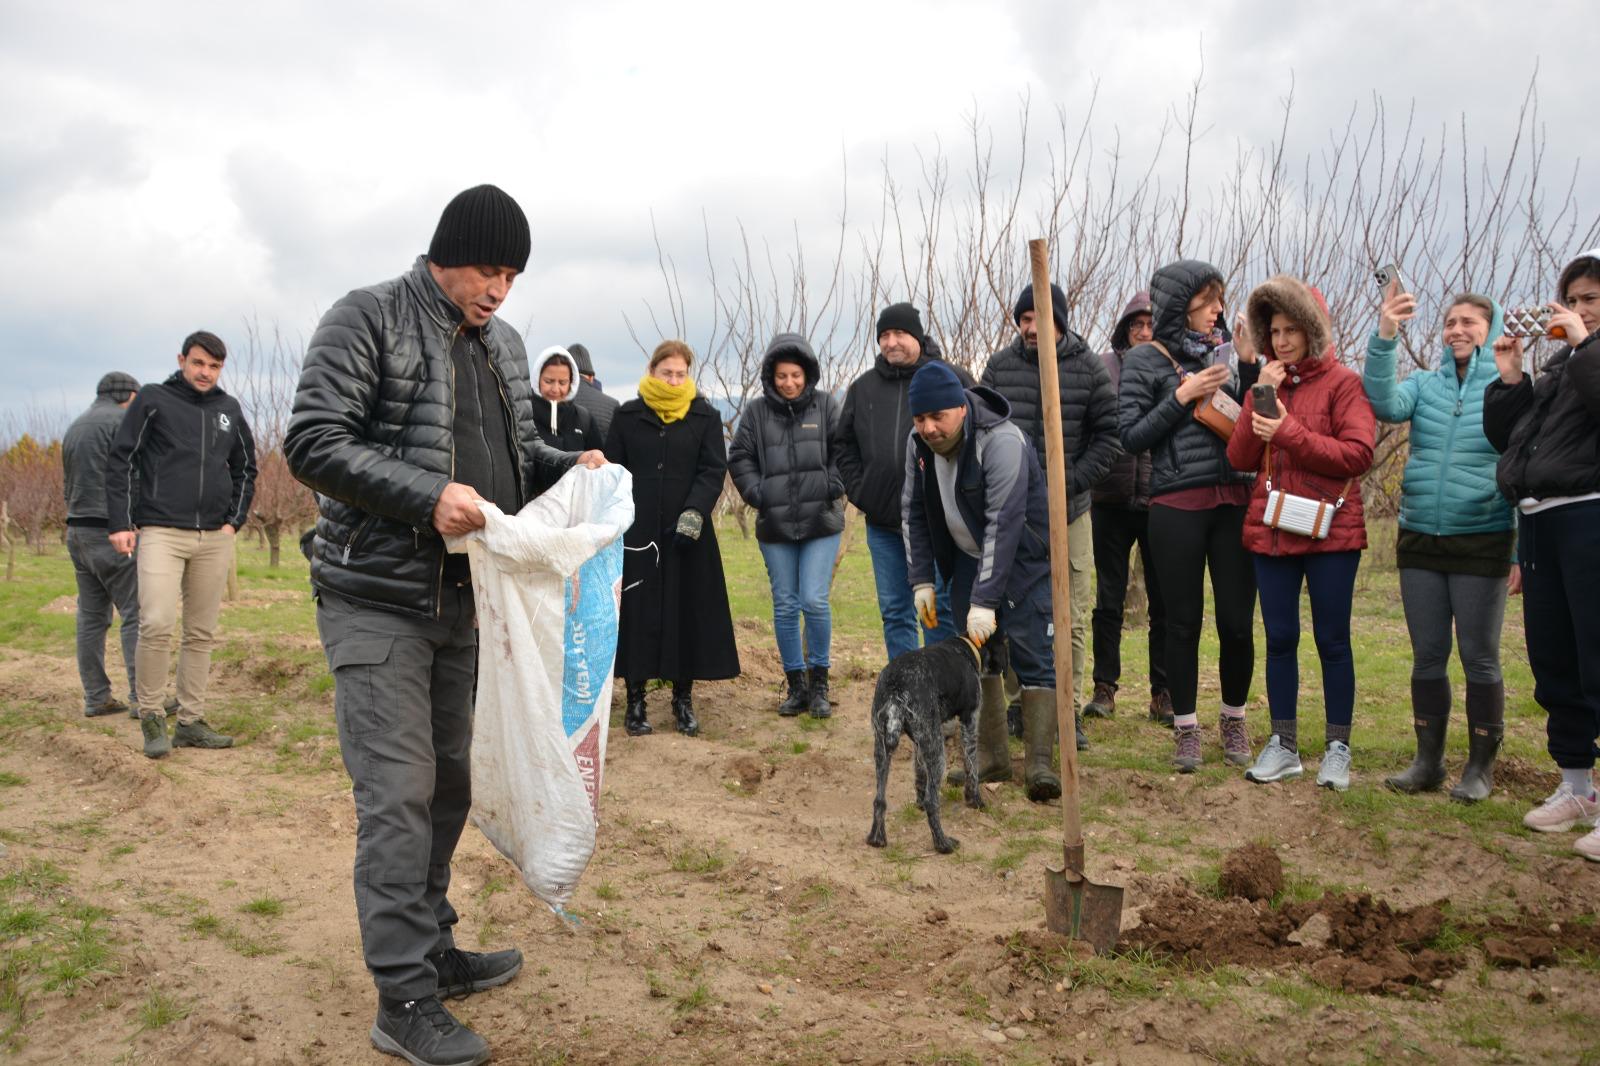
x,y
1563,810
1588,846
1275,763
1335,770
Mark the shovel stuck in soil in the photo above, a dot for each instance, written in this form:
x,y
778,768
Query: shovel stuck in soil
x,y
1074,906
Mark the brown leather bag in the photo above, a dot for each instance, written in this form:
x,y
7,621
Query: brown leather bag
x,y
1217,412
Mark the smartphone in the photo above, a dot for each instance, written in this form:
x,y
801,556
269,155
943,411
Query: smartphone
x,y
1385,274
1266,400
1531,322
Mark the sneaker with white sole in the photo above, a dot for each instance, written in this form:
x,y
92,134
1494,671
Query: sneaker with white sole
x,y
1561,811
1588,846
1275,763
1335,770
1235,741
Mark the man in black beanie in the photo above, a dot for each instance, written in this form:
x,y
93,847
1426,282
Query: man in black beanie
x,y
870,439
593,399
414,403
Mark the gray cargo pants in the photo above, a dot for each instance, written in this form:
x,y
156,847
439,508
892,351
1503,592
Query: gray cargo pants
x,y
403,691
105,579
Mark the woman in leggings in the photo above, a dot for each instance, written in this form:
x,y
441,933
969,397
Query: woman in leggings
x,y
1198,499
1456,533
1314,443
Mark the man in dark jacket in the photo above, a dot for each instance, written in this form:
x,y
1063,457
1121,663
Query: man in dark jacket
x,y
415,403
975,504
179,479
593,399
871,443
1088,433
1121,514
105,576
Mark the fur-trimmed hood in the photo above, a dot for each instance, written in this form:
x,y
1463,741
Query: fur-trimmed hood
x,y
1302,304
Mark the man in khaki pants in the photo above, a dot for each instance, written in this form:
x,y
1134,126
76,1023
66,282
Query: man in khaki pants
x,y
178,485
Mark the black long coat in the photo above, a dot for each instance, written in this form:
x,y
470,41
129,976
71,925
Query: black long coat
x,y
675,620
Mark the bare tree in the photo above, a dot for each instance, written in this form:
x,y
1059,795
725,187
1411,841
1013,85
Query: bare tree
x,y
264,378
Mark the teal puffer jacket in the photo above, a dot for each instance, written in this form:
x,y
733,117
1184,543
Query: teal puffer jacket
x,y
1449,485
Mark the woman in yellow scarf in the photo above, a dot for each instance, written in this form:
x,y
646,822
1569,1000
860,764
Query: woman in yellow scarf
x,y
675,622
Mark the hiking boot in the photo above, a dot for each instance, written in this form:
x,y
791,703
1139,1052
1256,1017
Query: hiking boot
x,y
1080,738
817,703
1426,771
462,973
1588,846
156,744
1161,708
634,719
1039,727
1235,741
795,702
683,708
1561,811
1335,770
1275,763
110,706
423,1033
1103,704
1187,759
197,734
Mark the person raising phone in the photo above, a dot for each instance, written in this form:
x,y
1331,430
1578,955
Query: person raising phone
x,y
1312,438
1549,433
1456,533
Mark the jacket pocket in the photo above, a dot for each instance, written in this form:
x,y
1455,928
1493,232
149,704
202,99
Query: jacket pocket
x,y
357,537
365,691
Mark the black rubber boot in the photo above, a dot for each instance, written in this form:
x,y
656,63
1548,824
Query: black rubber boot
x,y
798,699
817,701
1486,725
683,708
994,750
1039,721
1082,738
1014,718
1430,709
634,718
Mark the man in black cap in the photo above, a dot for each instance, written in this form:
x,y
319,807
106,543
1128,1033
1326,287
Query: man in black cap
x,y
871,442
105,576
592,399
415,403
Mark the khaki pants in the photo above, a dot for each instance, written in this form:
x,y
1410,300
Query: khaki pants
x,y
1080,555
191,566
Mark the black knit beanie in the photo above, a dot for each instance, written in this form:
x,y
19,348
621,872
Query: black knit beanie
x,y
481,227
1058,307
903,317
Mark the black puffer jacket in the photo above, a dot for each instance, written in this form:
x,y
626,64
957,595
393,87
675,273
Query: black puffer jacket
x,y
1127,484
1548,430
1088,409
371,433
782,461
872,433
1183,453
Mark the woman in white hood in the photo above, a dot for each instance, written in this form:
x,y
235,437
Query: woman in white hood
x,y
562,423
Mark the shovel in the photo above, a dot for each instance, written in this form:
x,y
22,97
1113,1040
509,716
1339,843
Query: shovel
x,y
1074,906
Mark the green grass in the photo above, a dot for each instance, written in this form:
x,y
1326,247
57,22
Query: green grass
x,y
698,859
11,780
160,1010
263,907
50,942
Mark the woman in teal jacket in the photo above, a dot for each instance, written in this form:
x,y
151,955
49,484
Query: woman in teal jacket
x,y
1456,533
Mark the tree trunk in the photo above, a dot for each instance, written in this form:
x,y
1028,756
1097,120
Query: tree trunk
x,y
274,535
1136,606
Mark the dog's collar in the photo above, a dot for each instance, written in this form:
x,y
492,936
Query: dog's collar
x,y
977,659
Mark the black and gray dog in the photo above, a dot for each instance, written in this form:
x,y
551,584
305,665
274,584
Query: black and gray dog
x,y
917,693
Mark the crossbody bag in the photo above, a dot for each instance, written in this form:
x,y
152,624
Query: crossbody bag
x,y
1217,412
1300,514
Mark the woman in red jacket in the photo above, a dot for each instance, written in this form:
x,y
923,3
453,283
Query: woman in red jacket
x,y
1316,449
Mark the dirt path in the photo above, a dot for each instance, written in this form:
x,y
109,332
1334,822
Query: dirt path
x,y
733,912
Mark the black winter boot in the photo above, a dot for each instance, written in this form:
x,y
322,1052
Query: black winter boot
x,y
1430,709
634,718
817,702
1486,725
683,708
797,699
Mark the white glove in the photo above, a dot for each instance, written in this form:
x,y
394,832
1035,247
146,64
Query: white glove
x,y
926,611
980,624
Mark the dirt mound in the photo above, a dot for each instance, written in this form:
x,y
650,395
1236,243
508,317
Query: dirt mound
x,y
1351,941
1252,872
748,772
1523,779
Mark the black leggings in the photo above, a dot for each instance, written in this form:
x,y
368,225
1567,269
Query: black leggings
x,y
1184,543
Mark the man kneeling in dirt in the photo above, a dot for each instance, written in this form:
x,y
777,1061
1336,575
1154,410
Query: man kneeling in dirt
x,y
975,501
415,403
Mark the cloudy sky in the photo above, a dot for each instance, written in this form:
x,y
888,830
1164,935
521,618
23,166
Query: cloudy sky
x,y
167,166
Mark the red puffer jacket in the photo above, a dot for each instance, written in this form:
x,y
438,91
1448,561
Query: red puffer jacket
x,y
1325,441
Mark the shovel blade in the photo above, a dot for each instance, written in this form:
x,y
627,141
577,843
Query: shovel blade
x,y
1078,908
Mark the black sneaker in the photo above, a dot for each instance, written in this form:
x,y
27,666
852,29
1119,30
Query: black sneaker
x,y
112,705
197,734
423,1033
462,973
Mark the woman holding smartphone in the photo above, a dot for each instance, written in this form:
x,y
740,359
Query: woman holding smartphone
x,y
1307,430
1456,533
1198,499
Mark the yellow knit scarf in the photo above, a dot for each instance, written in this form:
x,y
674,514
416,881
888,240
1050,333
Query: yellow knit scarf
x,y
670,402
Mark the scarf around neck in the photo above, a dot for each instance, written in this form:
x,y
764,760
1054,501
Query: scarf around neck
x,y
669,402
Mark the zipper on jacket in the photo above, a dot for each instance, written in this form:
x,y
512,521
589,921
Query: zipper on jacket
x,y
438,581
200,497
355,536
1449,453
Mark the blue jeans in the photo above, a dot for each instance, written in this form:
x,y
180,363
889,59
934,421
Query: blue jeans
x,y
895,604
1027,625
1330,581
801,573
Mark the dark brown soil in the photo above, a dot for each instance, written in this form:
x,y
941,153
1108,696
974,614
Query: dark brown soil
x,y
1252,872
1523,779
